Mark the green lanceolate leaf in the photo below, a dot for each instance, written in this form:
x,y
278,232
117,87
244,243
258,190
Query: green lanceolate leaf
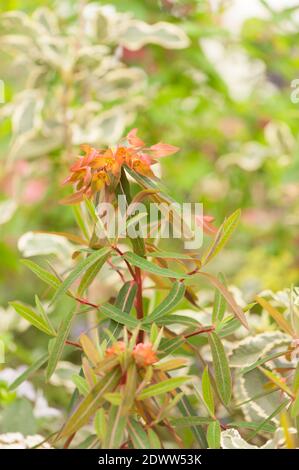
x,y
187,410
92,272
238,312
169,346
213,435
162,387
58,342
219,305
44,315
130,389
172,255
116,425
80,221
91,403
268,427
126,297
81,384
124,302
149,267
138,435
222,237
221,368
42,273
29,371
207,391
81,267
189,421
153,439
32,317
118,316
169,303
295,407
100,424
281,407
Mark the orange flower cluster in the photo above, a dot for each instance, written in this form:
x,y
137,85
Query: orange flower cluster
x,y
143,353
100,167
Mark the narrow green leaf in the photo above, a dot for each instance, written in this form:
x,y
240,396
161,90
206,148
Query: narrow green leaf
x,y
171,255
187,410
169,303
100,424
32,317
153,439
44,315
278,381
91,403
207,391
295,407
179,320
269,418
261,361
81,267
227,327
130,389
169,346
81,384
219,305
115,398
118,316
116,425
213,435
126,296
163,387
228,297
42,273
221,368
268,427
138,435
150,267
222,237
124,301
29,371
189,421
58,343
80,220
91,273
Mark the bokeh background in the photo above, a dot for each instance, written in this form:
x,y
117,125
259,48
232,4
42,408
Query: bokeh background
x,y
215,81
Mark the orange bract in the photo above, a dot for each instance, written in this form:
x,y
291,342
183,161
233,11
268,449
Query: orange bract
x,y
144,354
99,168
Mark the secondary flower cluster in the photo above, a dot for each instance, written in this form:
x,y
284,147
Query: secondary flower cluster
x,y
101,167
143,353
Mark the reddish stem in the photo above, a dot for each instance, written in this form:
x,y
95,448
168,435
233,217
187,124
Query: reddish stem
x,y
85,302
127,263
207,329
69,440
73,343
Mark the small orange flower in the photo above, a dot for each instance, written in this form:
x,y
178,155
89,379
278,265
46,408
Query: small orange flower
x,y
144,354
98,168
116,349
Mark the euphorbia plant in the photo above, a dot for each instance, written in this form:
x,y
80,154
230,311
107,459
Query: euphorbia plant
x,y
131,391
